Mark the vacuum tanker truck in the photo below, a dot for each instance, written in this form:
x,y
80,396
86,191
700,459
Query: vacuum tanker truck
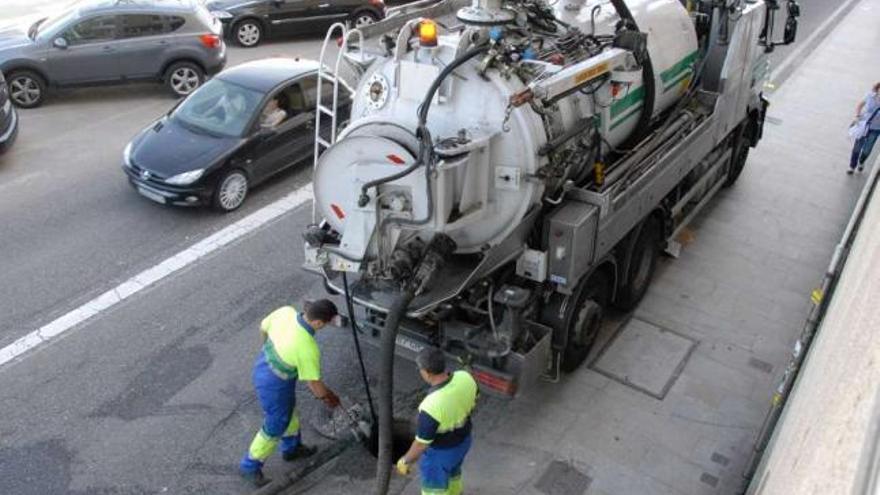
x,y
506,178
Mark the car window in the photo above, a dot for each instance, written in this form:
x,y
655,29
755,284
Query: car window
x,y
219,107
137,25
96,29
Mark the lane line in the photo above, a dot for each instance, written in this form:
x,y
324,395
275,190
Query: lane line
x,y
804,49
152,276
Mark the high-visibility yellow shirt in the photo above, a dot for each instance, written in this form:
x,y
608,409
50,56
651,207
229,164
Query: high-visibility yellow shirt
x,y
290,348
445,414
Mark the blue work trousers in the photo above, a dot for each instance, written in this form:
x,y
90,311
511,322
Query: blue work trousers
x,y
280,419
862,148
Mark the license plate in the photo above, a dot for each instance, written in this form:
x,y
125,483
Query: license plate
x,y
151,195
409,344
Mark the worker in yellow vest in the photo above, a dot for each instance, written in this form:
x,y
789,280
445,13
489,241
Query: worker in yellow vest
x,y
289,353
443,437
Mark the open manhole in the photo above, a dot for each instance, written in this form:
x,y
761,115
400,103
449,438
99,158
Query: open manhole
x,y
402,437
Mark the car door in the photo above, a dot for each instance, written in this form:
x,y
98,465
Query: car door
x,y
292,16
143,38
88,52
291,141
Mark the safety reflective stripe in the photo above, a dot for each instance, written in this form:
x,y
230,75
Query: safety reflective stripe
x,y
262,446
277,364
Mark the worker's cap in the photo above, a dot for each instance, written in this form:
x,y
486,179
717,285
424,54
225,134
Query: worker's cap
x,y
321,310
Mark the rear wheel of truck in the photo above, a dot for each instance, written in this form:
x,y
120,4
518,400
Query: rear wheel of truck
x,y
739,153
585,322
640,257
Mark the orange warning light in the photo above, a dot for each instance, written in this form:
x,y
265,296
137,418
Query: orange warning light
x,y
428,33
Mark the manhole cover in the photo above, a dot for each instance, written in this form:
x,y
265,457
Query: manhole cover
x,y
561,478
645,357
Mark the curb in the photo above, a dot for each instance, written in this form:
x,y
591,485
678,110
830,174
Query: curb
x,y
314,463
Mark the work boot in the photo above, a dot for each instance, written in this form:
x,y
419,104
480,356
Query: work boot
x,y
255,478
300,452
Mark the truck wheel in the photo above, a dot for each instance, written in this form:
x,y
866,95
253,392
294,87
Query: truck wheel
x,y
640,266
585,322
739,153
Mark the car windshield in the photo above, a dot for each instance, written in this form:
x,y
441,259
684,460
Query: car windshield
x,y
219,107
54,22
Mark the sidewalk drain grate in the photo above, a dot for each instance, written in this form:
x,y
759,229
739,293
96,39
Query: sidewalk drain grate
x,y
561,478
760,365
720,459
645,356
709,480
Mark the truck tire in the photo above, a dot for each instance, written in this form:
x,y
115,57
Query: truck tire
x,y
739,153
585,322
641,263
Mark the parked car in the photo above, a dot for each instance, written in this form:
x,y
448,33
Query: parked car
x,y
176,42
229,135
249,22
8,117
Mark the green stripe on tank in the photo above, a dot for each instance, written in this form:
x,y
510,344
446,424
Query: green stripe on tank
x,y
634,97
628,115
674,83
675,71
276,362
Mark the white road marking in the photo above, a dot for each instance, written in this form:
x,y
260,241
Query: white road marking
x,y
157,273
807,44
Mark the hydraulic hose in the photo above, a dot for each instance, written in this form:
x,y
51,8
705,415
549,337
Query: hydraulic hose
x,y
647,81
422,133
386,389
357,346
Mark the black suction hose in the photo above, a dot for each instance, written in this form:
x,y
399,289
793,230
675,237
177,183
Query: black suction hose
x,y
386,390
398,308
357,346
648,82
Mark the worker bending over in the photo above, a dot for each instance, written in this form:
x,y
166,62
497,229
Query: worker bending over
x,y
289,353
444,431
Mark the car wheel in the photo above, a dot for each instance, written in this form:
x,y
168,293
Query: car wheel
x,y
248,33
183,78
232,189
363,18
26,89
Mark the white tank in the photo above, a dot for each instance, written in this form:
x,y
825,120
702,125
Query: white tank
x,y
479,199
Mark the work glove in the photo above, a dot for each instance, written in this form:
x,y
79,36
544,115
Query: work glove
x,y
331,400
402,467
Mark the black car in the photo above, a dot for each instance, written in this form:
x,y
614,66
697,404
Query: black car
x,y
240,128
8,117
249,21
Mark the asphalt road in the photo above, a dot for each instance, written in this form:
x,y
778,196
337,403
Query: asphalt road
x,y
154,395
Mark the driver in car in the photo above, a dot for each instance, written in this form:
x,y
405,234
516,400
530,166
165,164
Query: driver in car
x,y
273,114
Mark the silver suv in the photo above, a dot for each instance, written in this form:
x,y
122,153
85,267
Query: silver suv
x,y
176,42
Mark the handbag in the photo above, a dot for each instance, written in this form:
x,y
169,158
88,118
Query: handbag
x,y
859,128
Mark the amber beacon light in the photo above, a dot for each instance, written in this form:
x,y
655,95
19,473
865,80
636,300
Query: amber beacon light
x,y
428,33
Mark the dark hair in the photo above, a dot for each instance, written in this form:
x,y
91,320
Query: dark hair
x,y
431,360
321,310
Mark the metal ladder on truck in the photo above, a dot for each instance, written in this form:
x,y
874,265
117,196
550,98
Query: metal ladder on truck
x,y
321,109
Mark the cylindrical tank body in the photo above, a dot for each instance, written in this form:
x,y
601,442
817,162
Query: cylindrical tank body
x,y
480,201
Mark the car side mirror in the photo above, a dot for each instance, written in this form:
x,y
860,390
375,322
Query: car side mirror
x,y
60,43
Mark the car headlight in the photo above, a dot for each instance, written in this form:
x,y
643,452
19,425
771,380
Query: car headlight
x,y
185,178
221,14
126,155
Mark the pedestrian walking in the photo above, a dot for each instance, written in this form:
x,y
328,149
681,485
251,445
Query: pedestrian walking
x,y
865,129
289,353
443,437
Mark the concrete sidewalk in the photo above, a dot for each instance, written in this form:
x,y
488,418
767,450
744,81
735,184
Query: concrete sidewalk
x,y
674,397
